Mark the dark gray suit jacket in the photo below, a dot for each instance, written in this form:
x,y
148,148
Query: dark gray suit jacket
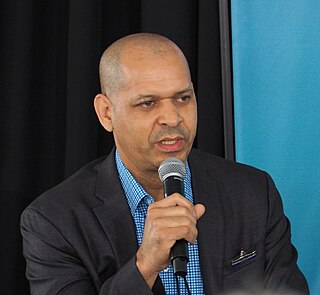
x,y
79,237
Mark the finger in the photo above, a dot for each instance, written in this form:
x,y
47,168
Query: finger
x,y
173,211
170,235
174,200
162,223
199,210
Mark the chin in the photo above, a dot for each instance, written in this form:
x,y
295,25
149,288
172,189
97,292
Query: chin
x,y
181,155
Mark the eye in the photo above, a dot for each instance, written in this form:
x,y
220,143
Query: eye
x,y
147,104
184,98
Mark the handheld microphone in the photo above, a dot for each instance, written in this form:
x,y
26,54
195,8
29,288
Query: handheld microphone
x,y
172,171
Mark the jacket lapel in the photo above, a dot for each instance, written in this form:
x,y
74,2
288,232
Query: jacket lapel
x,y
114,213
210,226
115,217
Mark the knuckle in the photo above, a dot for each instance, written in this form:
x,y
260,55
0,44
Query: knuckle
x,y
151,207
151,214
184,210
185,230
195,232
190,222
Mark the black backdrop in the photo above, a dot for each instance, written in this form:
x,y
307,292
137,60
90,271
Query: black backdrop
x,y
49,76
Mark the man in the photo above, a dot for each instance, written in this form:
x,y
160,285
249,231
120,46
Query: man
x,y
109,230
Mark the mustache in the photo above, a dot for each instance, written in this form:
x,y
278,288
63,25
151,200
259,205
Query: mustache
x,y
167,131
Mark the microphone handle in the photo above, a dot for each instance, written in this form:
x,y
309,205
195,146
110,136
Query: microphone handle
x,y
179,255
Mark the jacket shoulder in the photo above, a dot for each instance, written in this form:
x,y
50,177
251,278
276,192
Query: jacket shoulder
x,y
73,190
221,167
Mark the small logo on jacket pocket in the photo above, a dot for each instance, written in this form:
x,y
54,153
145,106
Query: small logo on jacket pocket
x,y
243,257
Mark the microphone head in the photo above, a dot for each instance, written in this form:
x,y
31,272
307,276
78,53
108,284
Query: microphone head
x,y
172,167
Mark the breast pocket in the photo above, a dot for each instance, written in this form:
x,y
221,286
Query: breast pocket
x,y
246,269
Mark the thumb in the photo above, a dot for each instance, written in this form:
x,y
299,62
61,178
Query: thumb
x,y
199,210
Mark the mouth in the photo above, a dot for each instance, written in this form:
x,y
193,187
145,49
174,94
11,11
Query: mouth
x,y
170,144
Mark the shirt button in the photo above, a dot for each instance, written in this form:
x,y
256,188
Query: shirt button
x,y
149,201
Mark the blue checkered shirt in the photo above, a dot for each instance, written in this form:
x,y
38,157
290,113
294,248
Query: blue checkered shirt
x,y
139,200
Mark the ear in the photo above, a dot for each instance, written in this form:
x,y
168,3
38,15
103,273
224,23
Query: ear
x,y
103,108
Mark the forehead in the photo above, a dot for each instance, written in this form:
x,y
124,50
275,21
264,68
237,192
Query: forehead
x,y
162,72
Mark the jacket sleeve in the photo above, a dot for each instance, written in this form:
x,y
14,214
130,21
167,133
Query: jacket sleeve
x,y
53,266
282,273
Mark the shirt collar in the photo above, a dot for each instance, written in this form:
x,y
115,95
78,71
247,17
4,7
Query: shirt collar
x,y
134,192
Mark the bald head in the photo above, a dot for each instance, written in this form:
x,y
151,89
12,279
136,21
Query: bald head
x,y
136,46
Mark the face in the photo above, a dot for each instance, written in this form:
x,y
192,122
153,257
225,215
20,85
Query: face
x,y
154,116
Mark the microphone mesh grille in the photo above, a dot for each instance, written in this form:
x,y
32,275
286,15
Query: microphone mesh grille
x,y
172,167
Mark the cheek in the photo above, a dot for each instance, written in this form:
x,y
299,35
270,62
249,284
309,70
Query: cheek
x,y
136,131
191,119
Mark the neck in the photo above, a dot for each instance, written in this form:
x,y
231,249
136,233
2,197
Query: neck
x,y
152,184
149,180
148,177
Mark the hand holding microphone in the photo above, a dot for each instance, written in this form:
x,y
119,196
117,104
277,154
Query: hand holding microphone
x,y
168,220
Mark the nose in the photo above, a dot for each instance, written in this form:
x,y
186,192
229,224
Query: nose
x,y
169,114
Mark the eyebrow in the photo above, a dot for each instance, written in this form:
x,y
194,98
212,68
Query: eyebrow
x,y
143,97
189,89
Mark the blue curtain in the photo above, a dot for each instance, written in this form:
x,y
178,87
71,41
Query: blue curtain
x,y
276,64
